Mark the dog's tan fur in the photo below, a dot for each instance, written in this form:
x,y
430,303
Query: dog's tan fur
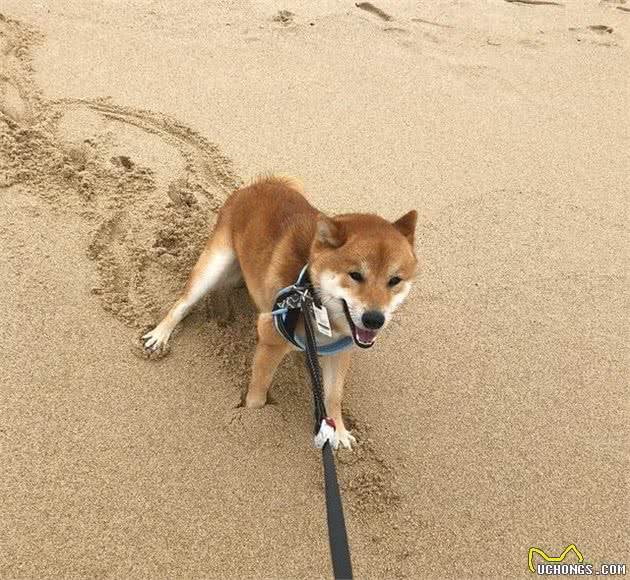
x,y
265,233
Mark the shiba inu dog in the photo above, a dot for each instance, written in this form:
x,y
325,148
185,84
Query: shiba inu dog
x,y
361,267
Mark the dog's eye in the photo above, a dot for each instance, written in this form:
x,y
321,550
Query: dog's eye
x,y
356,276
394,280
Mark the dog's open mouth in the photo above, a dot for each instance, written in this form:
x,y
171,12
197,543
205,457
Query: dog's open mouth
x,y
362,337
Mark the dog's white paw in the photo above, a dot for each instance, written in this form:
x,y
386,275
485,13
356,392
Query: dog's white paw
x,y
255,402
156,339
345,439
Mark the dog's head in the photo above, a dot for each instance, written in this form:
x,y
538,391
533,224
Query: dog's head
x,y
362,268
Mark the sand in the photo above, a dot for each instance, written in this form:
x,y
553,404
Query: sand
x,y
492,417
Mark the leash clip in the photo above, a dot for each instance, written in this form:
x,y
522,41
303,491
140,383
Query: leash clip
x,y
327,432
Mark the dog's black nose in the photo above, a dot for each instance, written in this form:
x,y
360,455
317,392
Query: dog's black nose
x,y
373,319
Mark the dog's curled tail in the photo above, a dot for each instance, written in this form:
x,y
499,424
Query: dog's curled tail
x,y
282,179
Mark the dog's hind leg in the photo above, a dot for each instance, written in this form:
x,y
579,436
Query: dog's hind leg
x,y
216,266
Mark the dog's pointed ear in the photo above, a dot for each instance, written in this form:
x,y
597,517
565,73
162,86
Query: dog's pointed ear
x,y
406,225
329,232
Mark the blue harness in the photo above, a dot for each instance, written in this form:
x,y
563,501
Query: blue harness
x,y
286,312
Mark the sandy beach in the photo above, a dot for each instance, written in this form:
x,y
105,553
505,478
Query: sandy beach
x,y
492,417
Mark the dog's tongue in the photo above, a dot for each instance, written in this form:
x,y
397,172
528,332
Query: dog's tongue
x,y
366,336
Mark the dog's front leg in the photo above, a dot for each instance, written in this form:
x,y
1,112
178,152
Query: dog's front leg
x,y
335,367
270,350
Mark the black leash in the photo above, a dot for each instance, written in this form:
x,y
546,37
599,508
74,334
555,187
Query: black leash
x,y
337,536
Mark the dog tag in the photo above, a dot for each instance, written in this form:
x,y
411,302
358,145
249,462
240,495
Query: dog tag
x,y
321,317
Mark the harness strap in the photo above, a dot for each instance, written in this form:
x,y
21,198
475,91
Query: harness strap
x,y
286,314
